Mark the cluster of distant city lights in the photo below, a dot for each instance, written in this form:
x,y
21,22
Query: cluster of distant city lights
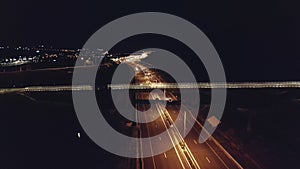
x,y
24,55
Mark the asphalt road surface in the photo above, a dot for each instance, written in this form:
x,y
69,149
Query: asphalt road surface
x,y
189,153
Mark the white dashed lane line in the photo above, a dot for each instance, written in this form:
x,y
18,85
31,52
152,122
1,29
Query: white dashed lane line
x,y
207,159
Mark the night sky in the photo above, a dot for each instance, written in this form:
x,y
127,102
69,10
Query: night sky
x,y
256,40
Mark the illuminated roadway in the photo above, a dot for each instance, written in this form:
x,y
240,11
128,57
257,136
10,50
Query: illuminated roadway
x,y
189,153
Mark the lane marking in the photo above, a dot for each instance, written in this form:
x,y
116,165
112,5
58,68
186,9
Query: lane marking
x,y
194,161
207,159
217,155
195,141
151,149
215,141
161,116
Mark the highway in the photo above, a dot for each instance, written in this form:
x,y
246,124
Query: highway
x,y
189,153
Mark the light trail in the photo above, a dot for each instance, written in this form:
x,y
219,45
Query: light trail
x,y
184,149
170,136
184,154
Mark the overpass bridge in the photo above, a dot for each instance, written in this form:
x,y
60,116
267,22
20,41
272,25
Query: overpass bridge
x,y
204,85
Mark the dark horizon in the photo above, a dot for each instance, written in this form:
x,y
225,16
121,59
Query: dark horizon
x,y
255,40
